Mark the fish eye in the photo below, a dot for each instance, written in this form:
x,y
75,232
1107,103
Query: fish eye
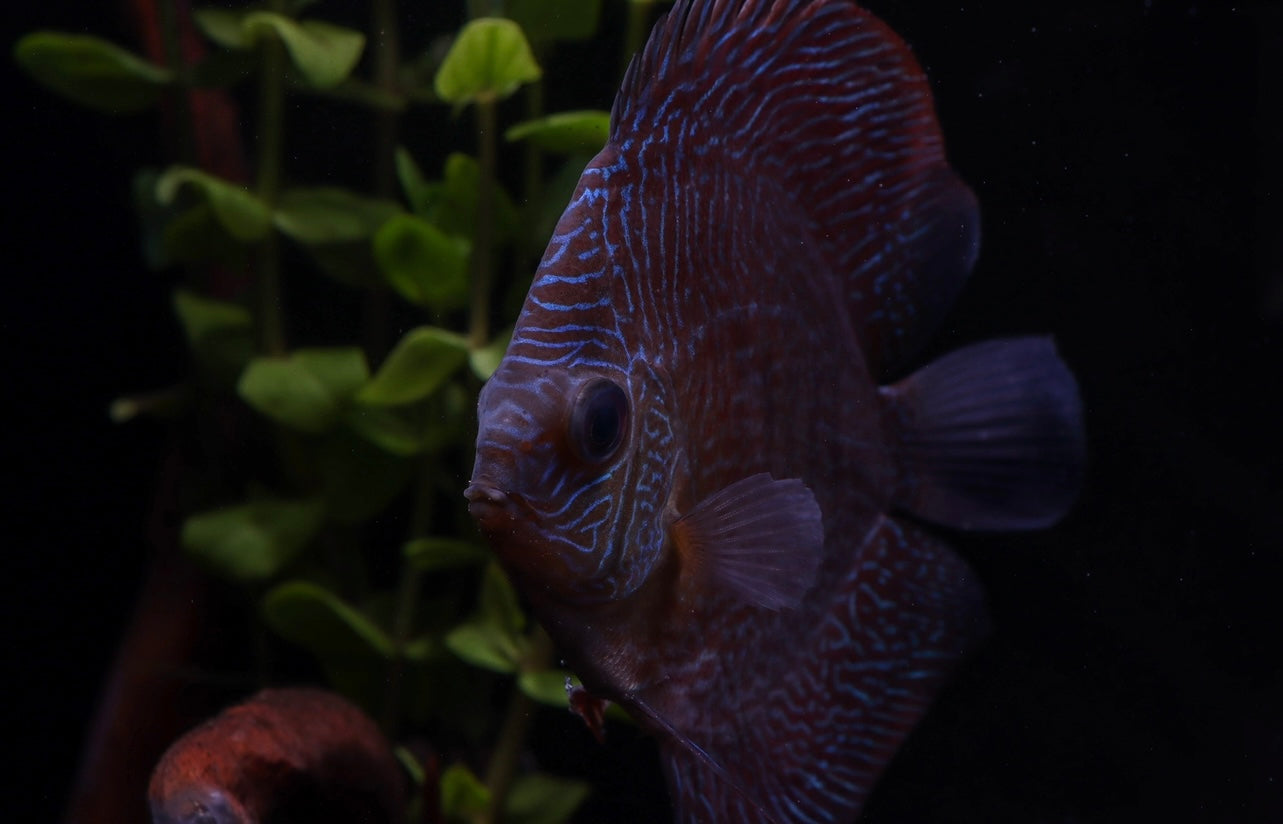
x,y
598,421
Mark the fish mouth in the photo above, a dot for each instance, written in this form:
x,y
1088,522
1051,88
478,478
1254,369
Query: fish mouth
x,y
481,492
489,505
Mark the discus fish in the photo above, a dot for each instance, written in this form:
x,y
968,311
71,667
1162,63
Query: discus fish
x,y
685,460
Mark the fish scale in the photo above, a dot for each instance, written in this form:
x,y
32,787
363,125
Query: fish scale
x,y
684,459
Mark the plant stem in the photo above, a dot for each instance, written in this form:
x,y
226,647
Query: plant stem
x,y
181,96
407,598
385,50
271,138
534,156
516,723
483,235
528,246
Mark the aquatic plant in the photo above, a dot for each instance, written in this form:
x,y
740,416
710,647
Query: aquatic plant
x,y
323,459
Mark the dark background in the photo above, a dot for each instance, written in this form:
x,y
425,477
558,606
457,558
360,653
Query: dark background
x,y
1125,156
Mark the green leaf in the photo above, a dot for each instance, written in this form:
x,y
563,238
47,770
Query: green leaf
x,y
387,429
486,646
448,419
360,479
544,20
463,796
485,361
182,231
412,180
425,648
323,53
220,334
195,235
287,392
203,317
91,71
411,764
253,541
498,602
311,616
539,798
451,204
416,367
153,217
166,404
330,215
348,262
462,179
492,638
342,370
565,132
224,26
304,390
432,554
488,61
547,687
243,215
424,264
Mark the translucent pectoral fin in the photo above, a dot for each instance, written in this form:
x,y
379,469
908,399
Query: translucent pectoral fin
x,y
760,538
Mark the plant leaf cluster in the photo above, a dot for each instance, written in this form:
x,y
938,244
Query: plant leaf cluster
x,y
359,435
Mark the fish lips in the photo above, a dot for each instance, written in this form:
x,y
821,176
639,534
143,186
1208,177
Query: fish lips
x,y
495,511
512,528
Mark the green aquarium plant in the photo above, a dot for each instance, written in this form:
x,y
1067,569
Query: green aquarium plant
x,y
365,438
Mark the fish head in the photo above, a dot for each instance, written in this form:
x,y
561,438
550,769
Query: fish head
x,y
570,486
576,450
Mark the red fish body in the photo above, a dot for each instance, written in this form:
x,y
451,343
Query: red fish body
x,y
281,755
685,459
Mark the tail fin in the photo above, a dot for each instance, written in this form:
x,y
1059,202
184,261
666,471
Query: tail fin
x,y
991,436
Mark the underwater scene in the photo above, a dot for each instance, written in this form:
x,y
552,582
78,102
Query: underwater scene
x,y
544,411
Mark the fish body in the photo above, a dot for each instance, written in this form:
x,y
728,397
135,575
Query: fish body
x,y
686,460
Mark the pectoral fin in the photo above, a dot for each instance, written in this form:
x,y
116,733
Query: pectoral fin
x,y
760,538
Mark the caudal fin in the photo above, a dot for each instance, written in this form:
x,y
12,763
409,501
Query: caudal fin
x,y
990,437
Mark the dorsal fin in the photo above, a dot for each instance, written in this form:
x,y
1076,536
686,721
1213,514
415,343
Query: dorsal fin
x,y
828,101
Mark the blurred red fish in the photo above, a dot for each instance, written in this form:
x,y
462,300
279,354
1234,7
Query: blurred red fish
x,y
685,459
283,755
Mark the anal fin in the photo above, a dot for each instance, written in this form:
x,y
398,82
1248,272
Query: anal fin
x,y
809,741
